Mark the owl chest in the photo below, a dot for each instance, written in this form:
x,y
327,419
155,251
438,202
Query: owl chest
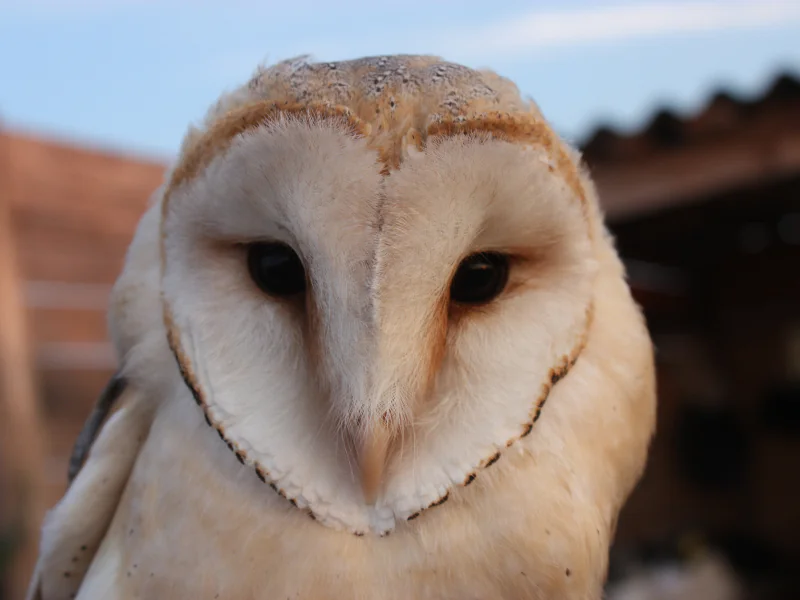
x,y
191,528
284,564
208,543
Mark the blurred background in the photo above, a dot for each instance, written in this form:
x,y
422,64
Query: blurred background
x,y
687,112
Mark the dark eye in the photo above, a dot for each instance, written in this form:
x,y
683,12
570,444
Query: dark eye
x,y
276,269
480,278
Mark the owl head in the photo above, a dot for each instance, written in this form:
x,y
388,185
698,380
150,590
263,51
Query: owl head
x,y
379,278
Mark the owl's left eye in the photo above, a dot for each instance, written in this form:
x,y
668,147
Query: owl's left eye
x,y
276,269
480,278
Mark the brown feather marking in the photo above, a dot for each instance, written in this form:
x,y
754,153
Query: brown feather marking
x,y
440,501
191,382
247,117
492,460
436,344
561,369
519,128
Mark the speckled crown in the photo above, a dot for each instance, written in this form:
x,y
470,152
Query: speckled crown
x,y
395,102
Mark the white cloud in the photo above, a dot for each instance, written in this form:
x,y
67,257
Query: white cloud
x,y
538,30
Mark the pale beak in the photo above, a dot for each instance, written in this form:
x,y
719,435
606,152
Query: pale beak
x,y
374,449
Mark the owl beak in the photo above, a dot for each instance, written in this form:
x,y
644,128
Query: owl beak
x,y
372,461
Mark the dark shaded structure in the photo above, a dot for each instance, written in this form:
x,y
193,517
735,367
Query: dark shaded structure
x,y
706,212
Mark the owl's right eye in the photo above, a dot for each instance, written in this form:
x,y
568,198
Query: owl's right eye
x,y
480,278
276,269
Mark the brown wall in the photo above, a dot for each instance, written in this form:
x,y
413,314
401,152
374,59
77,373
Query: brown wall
x,y
756,307
74,212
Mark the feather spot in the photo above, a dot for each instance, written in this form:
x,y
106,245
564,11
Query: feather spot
x,y
492,460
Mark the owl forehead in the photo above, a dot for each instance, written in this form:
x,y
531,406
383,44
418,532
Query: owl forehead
x,y
521,129
397,103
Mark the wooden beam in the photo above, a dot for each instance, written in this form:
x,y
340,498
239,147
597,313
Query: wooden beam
x,y
632,186
21,427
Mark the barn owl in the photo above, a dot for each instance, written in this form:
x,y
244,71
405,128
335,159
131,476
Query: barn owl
x,y
375,342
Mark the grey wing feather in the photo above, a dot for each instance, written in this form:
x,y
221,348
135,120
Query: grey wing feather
x,y
91,427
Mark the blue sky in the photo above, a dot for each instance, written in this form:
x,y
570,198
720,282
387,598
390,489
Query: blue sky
x,y
131,74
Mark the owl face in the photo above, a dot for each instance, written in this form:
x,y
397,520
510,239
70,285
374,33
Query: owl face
x,y
369,342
